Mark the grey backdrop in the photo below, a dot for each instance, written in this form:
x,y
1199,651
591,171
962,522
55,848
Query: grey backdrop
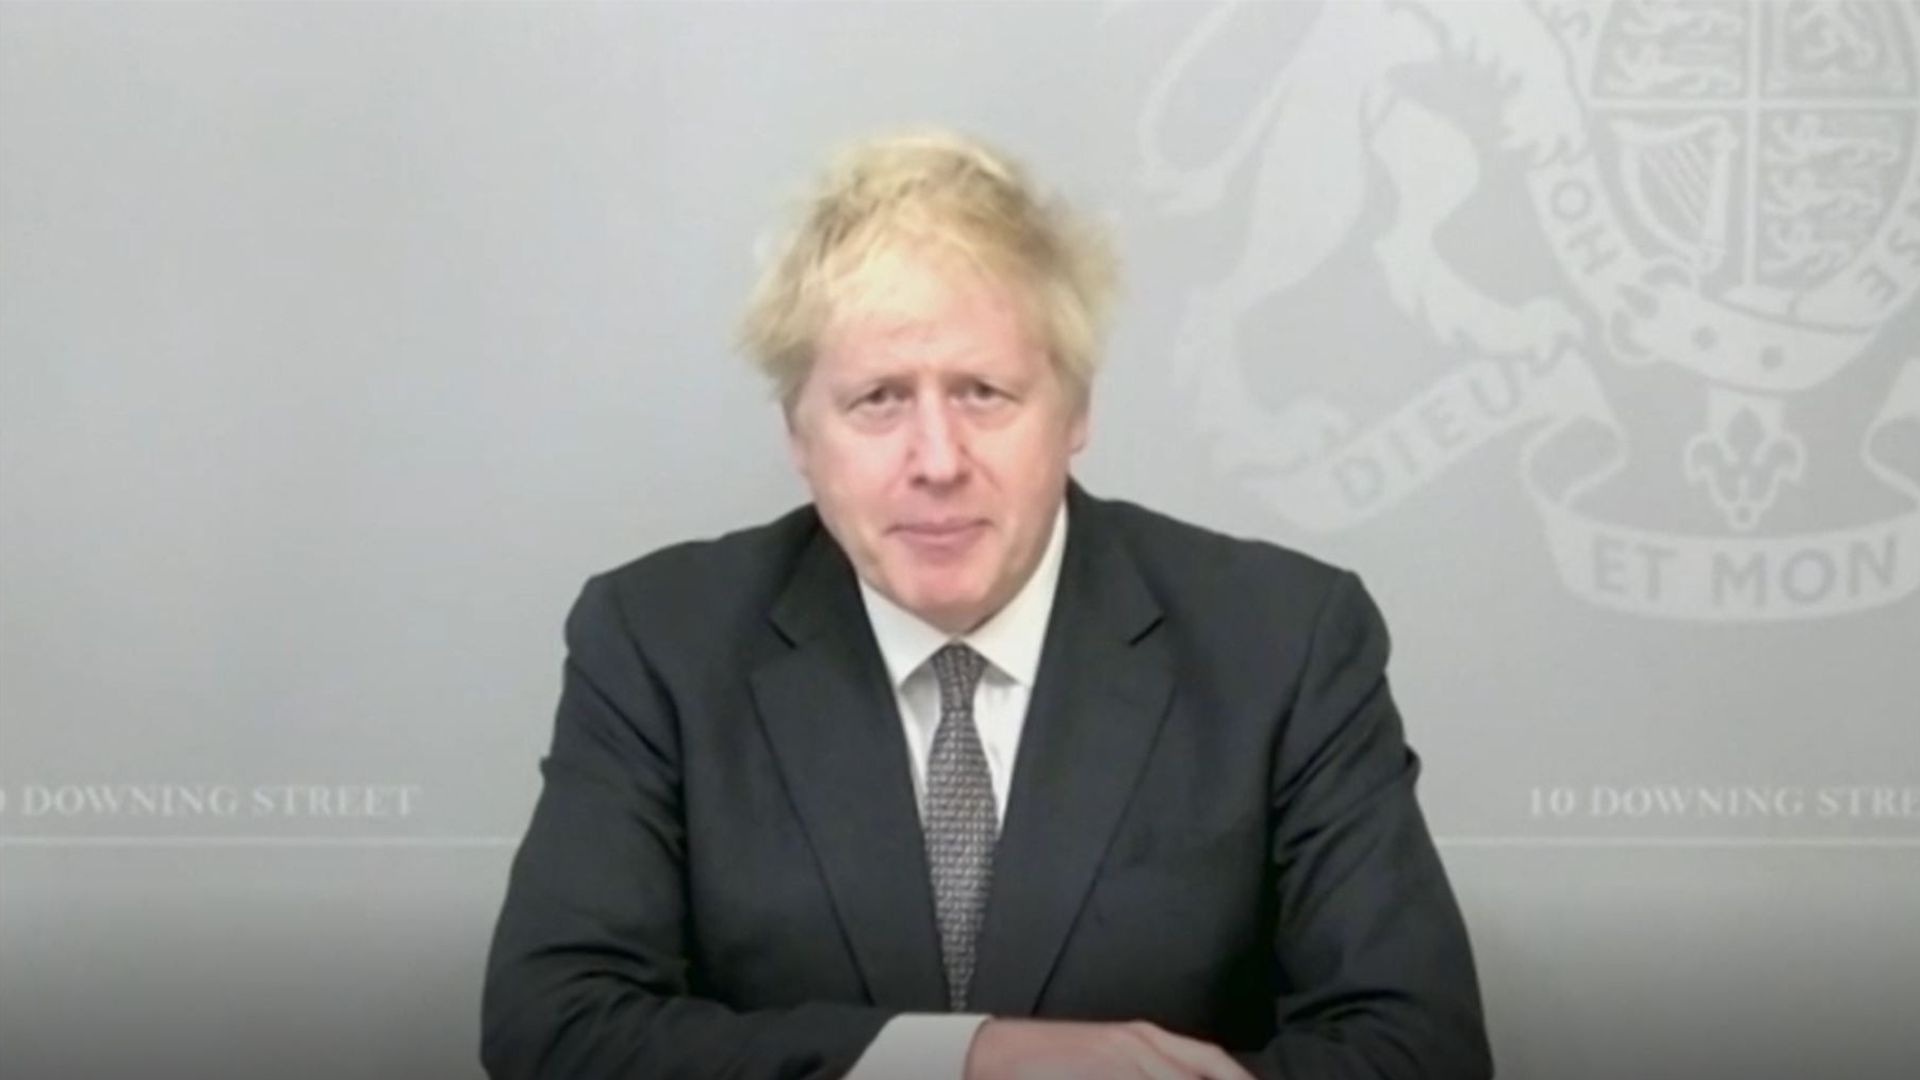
x,y
340,343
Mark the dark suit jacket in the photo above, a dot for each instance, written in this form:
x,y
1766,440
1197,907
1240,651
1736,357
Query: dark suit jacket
x,y
1211,826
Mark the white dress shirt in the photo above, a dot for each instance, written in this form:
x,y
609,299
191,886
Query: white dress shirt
x,y
934,1045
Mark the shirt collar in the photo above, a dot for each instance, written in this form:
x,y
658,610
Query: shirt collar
x,y
1010,640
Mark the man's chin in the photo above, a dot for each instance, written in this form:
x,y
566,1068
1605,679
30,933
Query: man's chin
x,y
953,612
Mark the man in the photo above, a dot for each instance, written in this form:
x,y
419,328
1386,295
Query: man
x,y
960,771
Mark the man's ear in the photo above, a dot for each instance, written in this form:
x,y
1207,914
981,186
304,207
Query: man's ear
x,y
1077,431
796,438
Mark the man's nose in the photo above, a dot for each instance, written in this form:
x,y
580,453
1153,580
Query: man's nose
x,y
939,453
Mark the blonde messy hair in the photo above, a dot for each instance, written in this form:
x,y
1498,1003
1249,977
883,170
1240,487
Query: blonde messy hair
x,y
950,193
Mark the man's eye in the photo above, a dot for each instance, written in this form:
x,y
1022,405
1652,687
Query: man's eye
x,y
979,392
880,397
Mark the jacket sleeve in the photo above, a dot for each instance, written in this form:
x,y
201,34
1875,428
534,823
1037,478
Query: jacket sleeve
x,y
588,975
1370,950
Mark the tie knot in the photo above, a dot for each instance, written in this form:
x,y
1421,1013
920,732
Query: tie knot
x,y
958,669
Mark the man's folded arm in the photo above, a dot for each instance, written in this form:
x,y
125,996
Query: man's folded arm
x,y
588,972
1377,977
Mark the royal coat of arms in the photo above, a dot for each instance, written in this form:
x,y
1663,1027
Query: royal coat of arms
x,y
1728,198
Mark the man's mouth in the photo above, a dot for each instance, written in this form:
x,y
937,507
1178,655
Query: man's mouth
x,y
943,536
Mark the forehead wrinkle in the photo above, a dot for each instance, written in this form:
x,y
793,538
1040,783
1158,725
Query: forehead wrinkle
x,y
875,341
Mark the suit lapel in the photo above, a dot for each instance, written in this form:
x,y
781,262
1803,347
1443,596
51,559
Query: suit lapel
x,y
1097,704
830,717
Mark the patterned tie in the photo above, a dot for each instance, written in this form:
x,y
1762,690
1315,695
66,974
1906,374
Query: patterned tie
x,y
959,818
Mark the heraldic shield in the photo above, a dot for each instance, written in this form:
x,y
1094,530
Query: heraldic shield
x,y
1748,214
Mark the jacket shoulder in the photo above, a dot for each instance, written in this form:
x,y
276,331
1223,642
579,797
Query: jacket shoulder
x,y
717,583
1187,559
1227,599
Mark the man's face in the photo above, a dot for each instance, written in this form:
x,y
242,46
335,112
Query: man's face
x,y
935,433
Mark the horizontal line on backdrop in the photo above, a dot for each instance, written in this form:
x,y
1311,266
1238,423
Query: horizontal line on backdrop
x,y
1679,841
259,841
416,842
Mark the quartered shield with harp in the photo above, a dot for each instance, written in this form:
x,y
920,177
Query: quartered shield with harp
x,y
1756,214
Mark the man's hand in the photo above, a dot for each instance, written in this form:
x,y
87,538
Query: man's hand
x,y
1060,1050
